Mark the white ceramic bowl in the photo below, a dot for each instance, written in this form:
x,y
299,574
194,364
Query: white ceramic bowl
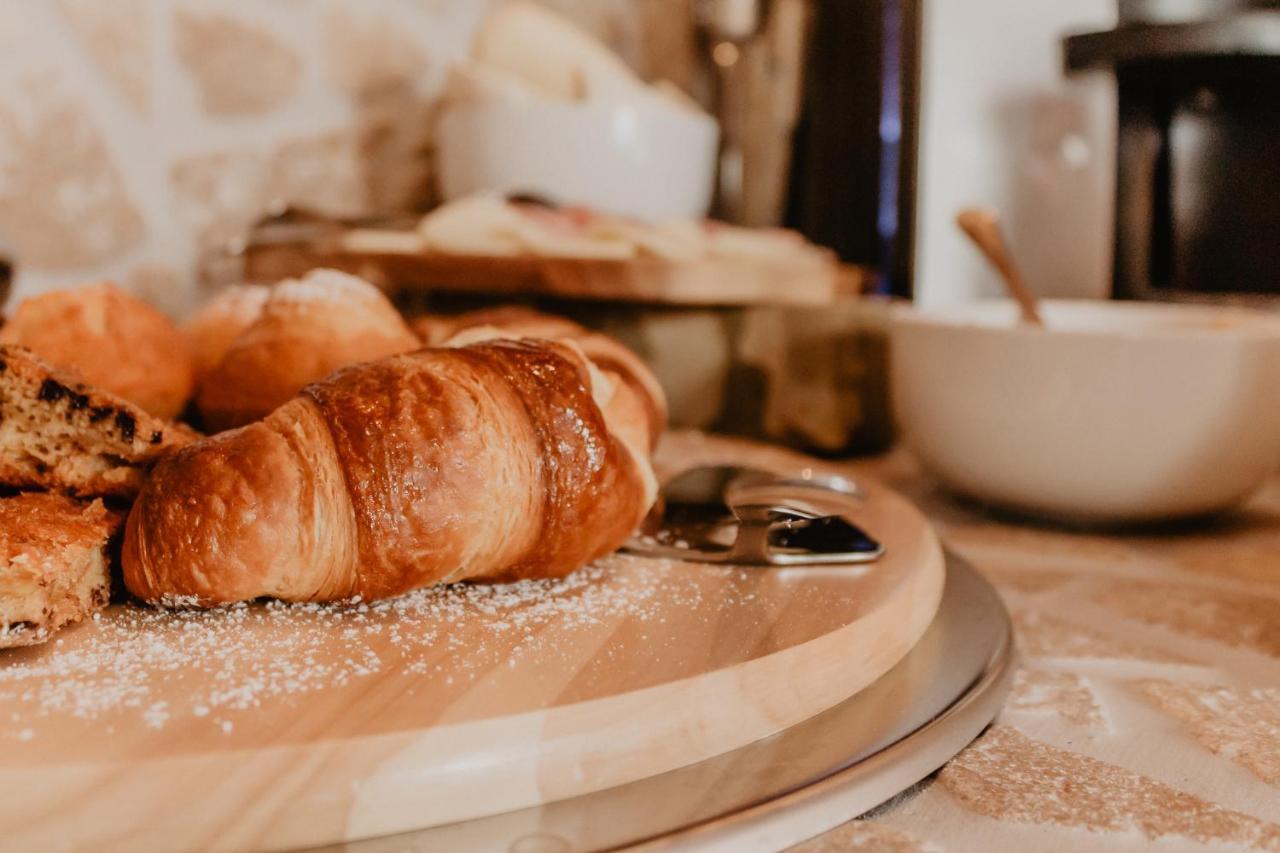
x,y
648,160
1117,412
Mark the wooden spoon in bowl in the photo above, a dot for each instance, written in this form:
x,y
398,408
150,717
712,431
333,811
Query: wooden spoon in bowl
x,y
982,226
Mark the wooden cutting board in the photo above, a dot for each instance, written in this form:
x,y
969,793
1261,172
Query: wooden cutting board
x,y
269,727
644,280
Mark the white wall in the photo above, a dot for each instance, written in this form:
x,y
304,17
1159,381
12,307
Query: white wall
x,y
1002,126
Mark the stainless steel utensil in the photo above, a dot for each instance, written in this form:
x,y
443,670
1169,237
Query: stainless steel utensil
x,y
744,516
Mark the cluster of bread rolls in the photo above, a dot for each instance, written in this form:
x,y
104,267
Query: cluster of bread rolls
x,y
354,454
512,445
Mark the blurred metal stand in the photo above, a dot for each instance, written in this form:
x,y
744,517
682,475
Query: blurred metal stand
x,y
1198,178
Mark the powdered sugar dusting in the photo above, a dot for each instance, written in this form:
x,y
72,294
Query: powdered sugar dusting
x,y
206,666
326,285
242,302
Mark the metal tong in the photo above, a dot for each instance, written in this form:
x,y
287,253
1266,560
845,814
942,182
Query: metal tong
x,y
744,516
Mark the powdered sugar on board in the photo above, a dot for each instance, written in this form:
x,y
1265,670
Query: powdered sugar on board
x,y
147,668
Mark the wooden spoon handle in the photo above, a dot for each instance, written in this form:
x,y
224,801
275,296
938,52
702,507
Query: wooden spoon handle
x,y
983,228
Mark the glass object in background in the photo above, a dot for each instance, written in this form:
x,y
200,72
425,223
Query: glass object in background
x,y
852,182
752,59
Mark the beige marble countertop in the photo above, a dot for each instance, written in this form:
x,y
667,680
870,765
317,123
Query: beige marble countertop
x,y
1146,712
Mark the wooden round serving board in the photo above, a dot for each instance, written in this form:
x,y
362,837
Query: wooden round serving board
x,y
269,727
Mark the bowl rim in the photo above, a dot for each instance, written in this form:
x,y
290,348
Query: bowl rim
x,y
1124,320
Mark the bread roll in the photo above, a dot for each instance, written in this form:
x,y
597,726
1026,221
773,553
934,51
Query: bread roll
x,y
212,329
307,328
111,340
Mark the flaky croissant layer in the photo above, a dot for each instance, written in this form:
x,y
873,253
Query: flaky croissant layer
x,y
499,460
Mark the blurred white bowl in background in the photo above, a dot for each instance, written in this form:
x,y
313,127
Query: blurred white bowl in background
x,y
1116,412
643,158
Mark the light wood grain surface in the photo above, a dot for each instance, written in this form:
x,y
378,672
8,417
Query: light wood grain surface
x,y
273,727
1146,715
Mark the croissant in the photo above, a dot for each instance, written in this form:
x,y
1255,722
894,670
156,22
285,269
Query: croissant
x,y
498,460
517,321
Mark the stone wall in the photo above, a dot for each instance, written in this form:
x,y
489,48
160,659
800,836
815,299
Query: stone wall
x,y
137,137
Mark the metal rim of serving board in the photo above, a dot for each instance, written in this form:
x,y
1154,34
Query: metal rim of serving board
x,y
798,783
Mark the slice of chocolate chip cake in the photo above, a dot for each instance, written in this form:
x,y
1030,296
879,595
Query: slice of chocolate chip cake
x,y
53,564
65,436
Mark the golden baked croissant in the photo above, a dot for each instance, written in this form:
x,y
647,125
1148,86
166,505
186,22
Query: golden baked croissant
x,y
518,321
498,460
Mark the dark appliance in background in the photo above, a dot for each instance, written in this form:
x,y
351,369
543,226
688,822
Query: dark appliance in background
x,y
818,105
1198,156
